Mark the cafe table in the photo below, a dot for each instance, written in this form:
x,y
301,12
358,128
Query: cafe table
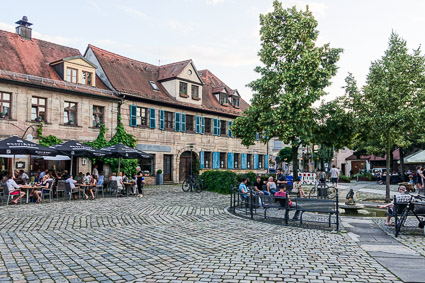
x,y
28,189
128,186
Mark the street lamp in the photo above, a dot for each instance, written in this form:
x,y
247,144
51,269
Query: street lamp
x,y
191,148
29,136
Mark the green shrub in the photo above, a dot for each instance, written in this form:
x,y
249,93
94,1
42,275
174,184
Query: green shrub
x,y
219,181
344,178
367,175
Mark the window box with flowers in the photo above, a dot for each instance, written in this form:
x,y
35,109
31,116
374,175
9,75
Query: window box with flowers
x,y
39,119
2,115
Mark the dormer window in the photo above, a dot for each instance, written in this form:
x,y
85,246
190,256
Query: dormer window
x,y
183,89
71,75
235,101
153,85
87,78
195,92
223,99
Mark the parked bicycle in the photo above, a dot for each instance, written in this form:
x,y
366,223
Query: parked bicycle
x,y
192,183
322,190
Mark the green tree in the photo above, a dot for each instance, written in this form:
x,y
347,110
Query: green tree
x,y
47,140
391,103
285,155
292,77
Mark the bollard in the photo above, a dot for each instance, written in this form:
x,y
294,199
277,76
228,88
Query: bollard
x,y
337,209
251,207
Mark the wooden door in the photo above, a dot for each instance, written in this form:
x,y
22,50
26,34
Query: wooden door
x,y
184,171
167,171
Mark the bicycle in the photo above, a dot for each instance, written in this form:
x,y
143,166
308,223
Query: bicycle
x,y
192,183
329,194
409,208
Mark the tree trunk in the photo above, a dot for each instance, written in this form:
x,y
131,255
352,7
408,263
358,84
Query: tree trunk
x,y
401,150
387,179
295,161
392,161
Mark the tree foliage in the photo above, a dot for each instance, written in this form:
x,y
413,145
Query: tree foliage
x,y
48,140
293,74
285,155
391,103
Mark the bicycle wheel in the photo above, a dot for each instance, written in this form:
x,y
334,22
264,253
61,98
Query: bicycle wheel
x,y
312,191
186,185
331,193
199,186
401,220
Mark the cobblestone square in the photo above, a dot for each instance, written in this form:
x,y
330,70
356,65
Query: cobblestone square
x,y
170,236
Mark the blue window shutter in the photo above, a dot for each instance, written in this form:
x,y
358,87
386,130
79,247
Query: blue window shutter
x,y
243,161
214,126
255,161
229,132
230,160
216,160
201,160
152,118
133,115
266,161
161,119
183,128
218,127
202,125
197,124
177,122
257,136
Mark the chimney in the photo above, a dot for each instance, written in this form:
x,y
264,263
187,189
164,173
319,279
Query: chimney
x,y
24,29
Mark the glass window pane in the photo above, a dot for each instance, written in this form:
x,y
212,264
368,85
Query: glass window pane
x,y
72,116
6,96
34,100
66,105
65,117
42,101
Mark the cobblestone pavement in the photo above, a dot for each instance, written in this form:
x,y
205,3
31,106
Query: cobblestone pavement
x,y
169,236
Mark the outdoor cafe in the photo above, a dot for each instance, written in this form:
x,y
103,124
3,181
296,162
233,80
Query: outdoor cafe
x,y
32,172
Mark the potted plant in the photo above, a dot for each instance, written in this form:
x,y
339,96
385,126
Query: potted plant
x,y
146,173
39,119
71,122
159,177
2,115
98,125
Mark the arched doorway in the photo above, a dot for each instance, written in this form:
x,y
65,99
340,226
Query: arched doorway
x,y
184,167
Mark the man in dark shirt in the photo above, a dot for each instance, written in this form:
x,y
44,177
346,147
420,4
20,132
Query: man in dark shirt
x,y
281,178
258,186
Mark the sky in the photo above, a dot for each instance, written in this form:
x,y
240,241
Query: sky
x,y
219,35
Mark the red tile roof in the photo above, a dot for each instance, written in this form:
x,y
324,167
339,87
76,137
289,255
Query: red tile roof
x,y
21,57
132,77
172,70
396,156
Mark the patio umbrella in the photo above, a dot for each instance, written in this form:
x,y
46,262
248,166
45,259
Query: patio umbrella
x,y
73,149
122,151
15,145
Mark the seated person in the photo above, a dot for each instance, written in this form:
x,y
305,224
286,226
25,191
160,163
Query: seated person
x,y
403,197
271,186
14,189
281,178
101,179
87,178
258,186
71,183
93,183
79,178
23,177
282,193
243,189
297,188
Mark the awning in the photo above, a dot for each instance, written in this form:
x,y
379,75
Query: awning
x,y
53,158
12,156
415,158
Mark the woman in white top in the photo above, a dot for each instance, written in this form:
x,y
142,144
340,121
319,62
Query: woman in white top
x,y
271,186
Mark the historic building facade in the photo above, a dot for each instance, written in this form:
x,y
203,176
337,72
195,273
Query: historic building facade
x,y
172,110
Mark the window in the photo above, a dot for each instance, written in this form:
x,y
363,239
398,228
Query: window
x,y
97,115
189,123
207,159
87,78
169,120
153,85
142,116
223,128
222,160
278,145
223,98
208,125
5,102
71,75
183,89
38,108
260,161
235,101
236,157
195,92
70,113
248,161
148,164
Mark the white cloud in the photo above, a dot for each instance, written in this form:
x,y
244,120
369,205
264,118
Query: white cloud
x,y
180,27
214,2
133,12
7,27
318,8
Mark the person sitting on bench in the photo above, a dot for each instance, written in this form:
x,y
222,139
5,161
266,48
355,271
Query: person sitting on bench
x,y
403,197
282,193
